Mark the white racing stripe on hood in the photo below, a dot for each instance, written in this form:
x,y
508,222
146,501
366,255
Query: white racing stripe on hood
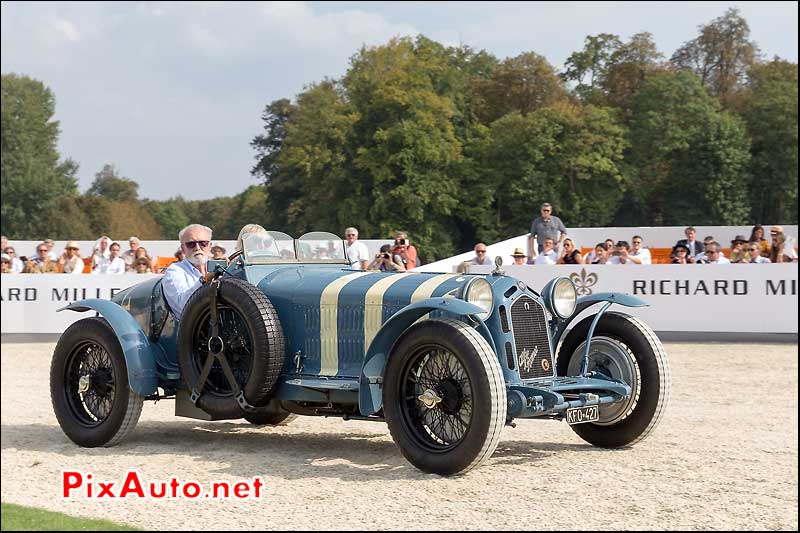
x,y
328,331
373,305
425,290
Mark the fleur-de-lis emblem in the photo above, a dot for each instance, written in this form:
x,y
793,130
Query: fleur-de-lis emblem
x,y
583,281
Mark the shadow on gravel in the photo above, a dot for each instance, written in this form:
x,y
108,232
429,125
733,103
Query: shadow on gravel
x,y
242,450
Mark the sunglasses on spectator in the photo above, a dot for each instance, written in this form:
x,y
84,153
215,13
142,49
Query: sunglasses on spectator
x,y
71,248
480,251
350,235
711,253
194,244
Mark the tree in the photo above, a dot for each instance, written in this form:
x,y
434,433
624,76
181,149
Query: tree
x,y
405,149
314,166
168,215
32,177
520,84
268,144
721,55
592,62
615,69
568,155
770,110
109,184
691,156
629,66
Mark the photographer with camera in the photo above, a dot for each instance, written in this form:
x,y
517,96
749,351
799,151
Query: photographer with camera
x,y
385,261
406,250
620,254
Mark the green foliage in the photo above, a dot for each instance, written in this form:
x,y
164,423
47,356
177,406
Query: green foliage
x,y
169,216
692,157
108,184
568,155
520,84
770,110
610,72
720,56
31,177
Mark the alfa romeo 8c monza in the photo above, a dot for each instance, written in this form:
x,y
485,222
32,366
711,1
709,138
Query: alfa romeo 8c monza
x,y
288,328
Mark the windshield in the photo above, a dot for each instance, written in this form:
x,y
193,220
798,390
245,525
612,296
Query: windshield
x,y
262,247
320,246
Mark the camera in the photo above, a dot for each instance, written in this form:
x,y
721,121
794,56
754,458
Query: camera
x,y
616,253
401,242
385,255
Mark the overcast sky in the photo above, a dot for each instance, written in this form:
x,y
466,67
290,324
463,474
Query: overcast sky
x,y
172,93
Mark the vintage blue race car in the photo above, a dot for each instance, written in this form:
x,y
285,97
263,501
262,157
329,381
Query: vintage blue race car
x,y
287,327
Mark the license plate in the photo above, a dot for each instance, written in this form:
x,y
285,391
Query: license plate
x,y
581,415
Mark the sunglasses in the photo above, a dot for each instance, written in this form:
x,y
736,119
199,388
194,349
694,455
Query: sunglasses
x,y
193,244
480,251
350,235
40,250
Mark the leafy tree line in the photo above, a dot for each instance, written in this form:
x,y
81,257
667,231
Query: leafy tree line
x,y
455,145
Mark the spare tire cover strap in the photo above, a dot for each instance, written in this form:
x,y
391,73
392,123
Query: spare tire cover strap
x,y
213,354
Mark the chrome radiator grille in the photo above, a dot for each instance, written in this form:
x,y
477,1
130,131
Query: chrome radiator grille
x,y
529,324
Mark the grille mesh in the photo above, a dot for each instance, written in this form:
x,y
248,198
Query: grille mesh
x,y
530,339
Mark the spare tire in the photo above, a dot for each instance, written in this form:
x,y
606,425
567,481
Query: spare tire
x,y
253,342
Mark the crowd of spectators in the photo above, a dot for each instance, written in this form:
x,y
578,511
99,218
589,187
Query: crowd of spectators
x,y
106,257
547,231
548,244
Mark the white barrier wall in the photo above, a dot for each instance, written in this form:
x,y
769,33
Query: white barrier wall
x,y
714,298
30,301
687,298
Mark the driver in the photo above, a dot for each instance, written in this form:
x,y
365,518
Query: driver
x,y
184,277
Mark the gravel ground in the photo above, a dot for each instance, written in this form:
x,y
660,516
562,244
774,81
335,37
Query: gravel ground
x,y
723,458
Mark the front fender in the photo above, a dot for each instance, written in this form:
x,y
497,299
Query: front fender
x,y
370,396
139,353
587,301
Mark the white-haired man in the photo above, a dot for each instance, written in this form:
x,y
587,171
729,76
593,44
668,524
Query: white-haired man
x,y
184,277
357,253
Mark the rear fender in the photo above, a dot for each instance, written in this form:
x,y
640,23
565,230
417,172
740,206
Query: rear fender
x,y
140,354
370,396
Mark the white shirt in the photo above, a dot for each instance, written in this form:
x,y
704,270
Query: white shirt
x,y
181,279
702,255
17,266
109,266
74,266
644,255
761,260
356,253
546,258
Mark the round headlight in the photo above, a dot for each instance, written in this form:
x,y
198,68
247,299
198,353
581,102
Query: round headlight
x,y
565,297
479,292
